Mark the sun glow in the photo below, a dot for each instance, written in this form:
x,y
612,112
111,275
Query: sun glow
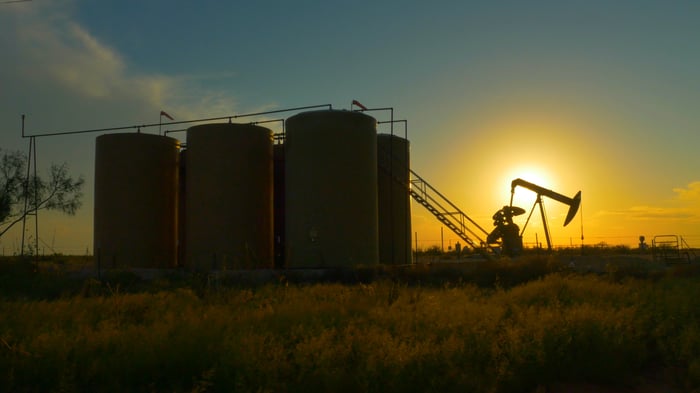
x,y
526,199
532,174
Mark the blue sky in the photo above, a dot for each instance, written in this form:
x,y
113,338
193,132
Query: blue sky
x,y
595,96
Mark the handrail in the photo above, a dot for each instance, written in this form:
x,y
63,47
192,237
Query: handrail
x,y
419,180
442,208
689,251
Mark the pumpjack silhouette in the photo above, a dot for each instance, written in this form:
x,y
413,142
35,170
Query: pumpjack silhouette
x,y
509,233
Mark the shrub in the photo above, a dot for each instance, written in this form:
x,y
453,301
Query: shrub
x,y
499,327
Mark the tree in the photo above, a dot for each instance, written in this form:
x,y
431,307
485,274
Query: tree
x,y
61,192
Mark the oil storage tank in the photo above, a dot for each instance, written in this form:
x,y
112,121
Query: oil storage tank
x,y
278,204
135,216
331,189
228,211
393,181
182,203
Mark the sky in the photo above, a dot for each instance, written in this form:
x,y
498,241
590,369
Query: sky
x,y
593,96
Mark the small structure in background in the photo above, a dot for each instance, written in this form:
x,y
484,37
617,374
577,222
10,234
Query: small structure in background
x,y
671,249
642,245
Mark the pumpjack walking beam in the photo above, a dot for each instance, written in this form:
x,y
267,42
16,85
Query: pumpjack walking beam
x,y
573,203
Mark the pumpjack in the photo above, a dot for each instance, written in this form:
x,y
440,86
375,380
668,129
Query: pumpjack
x,y
507,231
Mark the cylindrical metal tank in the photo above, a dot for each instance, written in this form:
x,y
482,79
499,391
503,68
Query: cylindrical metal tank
x,y
135,217
393,181
331,189
279,213
229,197
181,208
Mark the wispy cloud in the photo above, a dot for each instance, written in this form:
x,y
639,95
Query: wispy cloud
x,y
682,207
649,213
52,48
690,193
66,78
68,55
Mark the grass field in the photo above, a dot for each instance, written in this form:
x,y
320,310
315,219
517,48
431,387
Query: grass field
x,y
533,325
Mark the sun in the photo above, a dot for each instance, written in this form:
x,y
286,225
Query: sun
x,y
531,173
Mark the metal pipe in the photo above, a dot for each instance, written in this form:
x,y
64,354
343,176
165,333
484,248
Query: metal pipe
x,y
405,127
36,209
138,127
171,131
26,192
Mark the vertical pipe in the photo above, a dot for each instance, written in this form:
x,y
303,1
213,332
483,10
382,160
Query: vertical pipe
x,y
416,245
582,228
391,177
99,265
442,241
26,191
36,208
407,214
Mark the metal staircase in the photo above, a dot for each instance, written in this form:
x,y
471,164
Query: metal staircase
x,y
450,215
445,211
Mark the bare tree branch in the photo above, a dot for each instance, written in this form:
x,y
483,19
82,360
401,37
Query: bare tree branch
x,y
60,193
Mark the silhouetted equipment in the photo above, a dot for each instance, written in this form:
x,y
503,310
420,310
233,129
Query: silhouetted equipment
x,y
229,197
507,231
330,193
450,215
136,181
671,249
278,203
182,209
573,203
642,243
331,189
393,177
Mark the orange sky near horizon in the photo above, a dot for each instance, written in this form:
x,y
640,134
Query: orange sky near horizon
x,y
560,153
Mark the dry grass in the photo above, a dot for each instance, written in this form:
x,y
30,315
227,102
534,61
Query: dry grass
x,y
529,326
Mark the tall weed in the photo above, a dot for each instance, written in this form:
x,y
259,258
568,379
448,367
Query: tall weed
x,y
385,335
